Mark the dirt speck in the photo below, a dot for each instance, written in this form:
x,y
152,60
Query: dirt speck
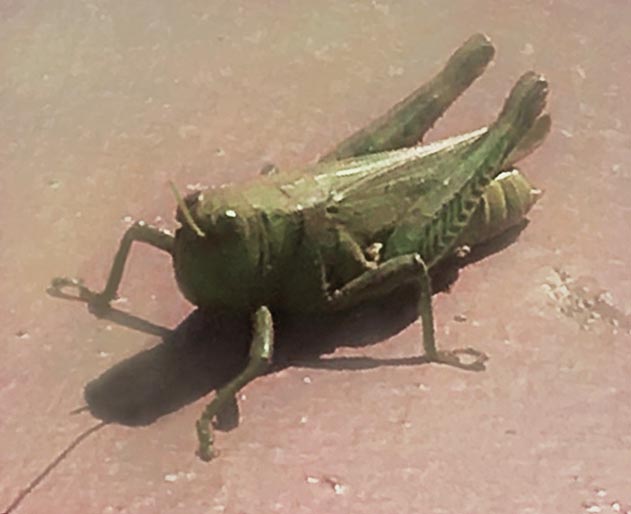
x,y
582,300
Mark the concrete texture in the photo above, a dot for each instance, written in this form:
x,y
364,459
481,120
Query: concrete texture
x,y
101,103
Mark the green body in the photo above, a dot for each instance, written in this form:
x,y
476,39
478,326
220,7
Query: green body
x,y
288,240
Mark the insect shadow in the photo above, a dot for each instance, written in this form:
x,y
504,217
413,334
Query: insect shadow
x,y
206,350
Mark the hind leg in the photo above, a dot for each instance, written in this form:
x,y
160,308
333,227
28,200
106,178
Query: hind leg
x,y
406,123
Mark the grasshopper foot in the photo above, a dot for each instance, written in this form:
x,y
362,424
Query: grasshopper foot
x,y
453,358
220,415
98,303
205,450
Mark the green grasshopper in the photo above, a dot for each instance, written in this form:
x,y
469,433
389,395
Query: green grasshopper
x,y
378,212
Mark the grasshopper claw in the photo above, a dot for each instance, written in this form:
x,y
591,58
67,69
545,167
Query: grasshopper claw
x,y
98,304
58,285
452,358
205,450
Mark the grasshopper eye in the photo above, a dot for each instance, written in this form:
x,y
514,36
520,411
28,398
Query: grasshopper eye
x,y
228,216
228,220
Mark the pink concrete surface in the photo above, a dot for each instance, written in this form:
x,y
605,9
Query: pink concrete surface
x,y
101,103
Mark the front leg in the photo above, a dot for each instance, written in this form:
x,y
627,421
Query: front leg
x,y
261,352
379,282
100,302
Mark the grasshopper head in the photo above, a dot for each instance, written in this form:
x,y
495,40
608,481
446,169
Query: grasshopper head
x,y
213,214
